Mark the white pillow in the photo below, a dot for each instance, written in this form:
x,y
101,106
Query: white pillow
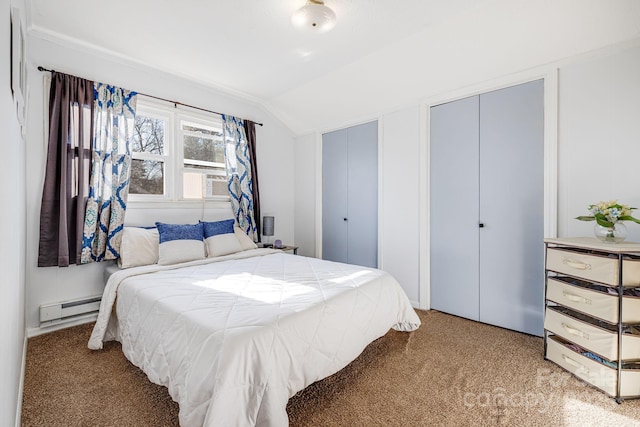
x,y
139,246
180,243
220,238
245,241
222,244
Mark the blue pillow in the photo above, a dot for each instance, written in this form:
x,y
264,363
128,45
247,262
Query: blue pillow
x,y
218,227
180,243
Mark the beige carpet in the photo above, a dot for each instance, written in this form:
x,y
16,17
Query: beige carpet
x,y
451,372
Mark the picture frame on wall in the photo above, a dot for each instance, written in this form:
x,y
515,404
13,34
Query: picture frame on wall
x,y
18,65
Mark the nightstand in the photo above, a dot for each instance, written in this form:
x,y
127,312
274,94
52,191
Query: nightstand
x,y
286,248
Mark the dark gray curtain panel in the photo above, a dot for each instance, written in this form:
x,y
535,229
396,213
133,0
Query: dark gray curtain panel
x,y
66,183
250,130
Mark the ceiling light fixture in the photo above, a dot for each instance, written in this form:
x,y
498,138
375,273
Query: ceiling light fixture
x,y
314,16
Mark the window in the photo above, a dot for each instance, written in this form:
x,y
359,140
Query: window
x,y
176,154
149,155
204,171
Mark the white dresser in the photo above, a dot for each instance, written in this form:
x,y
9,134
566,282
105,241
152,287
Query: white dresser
x,y
592,312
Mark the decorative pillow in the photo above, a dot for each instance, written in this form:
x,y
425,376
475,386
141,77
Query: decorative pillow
x,y
180,243
220,238
139,247
245,241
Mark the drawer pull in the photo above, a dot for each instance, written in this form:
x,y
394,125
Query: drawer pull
x,y
576,264
575,332
575,298
575,364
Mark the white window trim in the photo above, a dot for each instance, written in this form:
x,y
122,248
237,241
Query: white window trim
x,y
211,165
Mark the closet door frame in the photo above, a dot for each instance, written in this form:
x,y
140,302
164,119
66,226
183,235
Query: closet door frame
x,y
550,77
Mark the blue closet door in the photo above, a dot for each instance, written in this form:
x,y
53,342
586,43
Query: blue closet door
x,y
453,175
350,195
486,207
512,207
362,195
334,196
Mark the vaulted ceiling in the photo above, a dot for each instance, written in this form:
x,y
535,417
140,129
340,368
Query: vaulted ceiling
x,y
382,54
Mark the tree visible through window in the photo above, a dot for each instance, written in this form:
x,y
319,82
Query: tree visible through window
x,y
203,146
147,171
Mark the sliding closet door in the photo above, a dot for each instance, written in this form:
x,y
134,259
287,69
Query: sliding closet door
x,y
453,208
334,196
511,207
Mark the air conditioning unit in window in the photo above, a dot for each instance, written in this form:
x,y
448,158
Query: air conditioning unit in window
x,y
214,185
209,185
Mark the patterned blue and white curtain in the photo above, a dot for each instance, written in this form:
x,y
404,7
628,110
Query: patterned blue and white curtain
x,y
113,125
239,176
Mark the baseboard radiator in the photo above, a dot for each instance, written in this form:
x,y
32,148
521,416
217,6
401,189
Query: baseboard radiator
x,y
67,311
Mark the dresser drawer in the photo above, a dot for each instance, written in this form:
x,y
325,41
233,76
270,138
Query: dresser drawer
x,y
596,374
584,297
597,268
596,338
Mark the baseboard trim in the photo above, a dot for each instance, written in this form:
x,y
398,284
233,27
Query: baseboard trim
x,y
414,304
80,320
21,384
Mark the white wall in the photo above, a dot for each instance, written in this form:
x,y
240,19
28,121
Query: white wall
x,y
305,158
12,230
400,216
599,138
274,153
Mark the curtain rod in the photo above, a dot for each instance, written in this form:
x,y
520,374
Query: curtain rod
x,y
176,103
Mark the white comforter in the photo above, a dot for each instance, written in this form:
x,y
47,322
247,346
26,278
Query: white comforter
x,y
233,340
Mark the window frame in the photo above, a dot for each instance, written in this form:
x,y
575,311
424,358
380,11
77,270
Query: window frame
x,y
175,116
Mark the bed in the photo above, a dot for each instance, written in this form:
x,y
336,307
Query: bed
x,y
233,337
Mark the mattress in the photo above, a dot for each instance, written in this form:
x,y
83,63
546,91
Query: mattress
x,y
234,338
109,270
